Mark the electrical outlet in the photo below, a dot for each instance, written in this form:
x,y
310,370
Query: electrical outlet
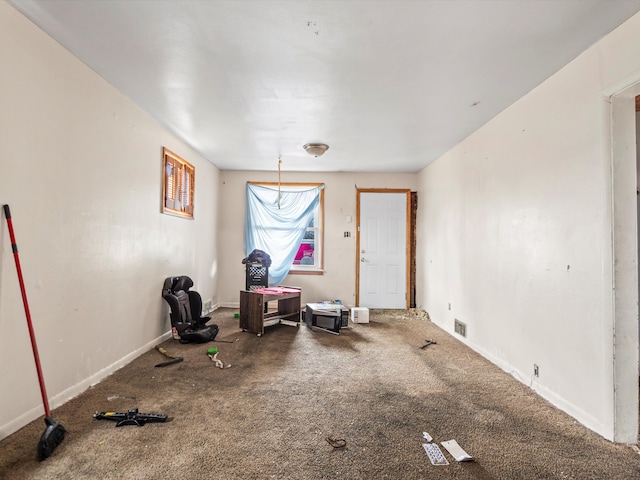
x,y
536,370
347,234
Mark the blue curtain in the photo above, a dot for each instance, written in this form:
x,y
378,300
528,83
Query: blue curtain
x,y
275,228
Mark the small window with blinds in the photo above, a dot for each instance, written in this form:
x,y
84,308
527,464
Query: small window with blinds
x,y
179,184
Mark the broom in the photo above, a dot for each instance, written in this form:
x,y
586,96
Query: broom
x,y
54,433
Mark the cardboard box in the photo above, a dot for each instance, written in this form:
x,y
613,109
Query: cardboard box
x,y
360,315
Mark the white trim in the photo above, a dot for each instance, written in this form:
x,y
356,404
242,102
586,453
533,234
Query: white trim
x,y
560,402
75,390
624,228
230,304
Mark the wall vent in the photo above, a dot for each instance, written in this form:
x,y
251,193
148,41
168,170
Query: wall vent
x,y
460,328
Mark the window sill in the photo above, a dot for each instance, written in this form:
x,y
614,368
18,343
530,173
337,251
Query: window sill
x,y
306,271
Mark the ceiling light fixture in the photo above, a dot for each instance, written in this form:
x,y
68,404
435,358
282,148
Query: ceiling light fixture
x,y
316,149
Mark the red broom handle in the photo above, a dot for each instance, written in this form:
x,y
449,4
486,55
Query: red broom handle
x,y
14,247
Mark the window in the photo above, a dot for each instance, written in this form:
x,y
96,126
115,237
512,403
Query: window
x,y
178,186
309,257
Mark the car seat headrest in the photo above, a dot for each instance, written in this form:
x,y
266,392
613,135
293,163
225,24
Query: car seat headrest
x,y
182,283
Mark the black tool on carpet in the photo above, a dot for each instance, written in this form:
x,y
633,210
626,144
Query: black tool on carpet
x,y
54,433
131,417
336,442
168,355
427,343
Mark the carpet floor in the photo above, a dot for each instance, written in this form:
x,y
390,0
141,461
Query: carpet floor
x,y
300,404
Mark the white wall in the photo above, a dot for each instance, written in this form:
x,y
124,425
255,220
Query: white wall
x,y
338,281
514,228
515,233
80,167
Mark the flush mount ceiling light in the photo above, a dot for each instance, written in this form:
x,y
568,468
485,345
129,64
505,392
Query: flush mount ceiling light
x,y
316,149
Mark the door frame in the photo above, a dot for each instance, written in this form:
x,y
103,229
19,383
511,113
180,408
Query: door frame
x,y
622,198
406,191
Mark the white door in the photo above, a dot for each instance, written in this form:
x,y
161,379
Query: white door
x,y
382,249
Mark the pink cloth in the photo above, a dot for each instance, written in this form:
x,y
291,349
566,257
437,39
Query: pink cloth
x,y
276,290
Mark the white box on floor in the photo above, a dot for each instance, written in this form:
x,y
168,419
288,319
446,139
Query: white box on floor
x,y
360,315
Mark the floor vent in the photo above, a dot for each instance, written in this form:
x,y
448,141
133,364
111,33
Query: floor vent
x,y
460,328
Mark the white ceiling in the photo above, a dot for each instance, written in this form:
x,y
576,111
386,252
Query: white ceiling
x,y
388,85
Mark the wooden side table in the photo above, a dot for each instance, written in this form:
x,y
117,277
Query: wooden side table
x,y
253,317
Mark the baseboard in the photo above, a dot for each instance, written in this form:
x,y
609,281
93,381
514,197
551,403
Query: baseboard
x,y
552,397
230,305
75,390
20,421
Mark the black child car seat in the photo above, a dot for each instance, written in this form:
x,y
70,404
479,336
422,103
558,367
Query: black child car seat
x,y
186,311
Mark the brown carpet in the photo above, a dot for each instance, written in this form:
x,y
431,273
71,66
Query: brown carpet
x,y
268,416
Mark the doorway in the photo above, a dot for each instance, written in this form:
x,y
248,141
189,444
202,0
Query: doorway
x,y
624,224
383,248
637,137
